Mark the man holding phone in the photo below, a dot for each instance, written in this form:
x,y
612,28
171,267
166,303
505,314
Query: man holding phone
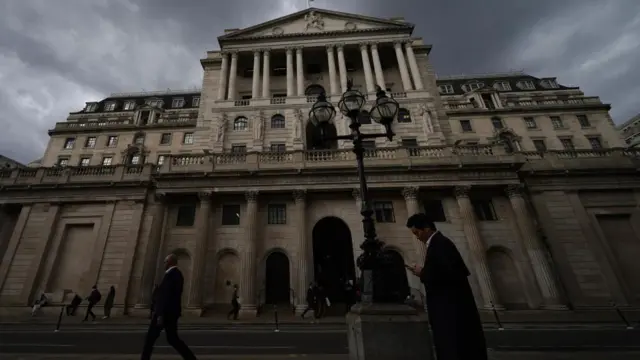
x,y
453,315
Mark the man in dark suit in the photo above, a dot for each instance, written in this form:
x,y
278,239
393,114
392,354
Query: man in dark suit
x,y
453,315
167,310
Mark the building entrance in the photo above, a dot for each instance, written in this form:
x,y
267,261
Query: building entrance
x,y
333,257
277,285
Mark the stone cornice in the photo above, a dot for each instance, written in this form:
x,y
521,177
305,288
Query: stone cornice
x,y
526,110
328,34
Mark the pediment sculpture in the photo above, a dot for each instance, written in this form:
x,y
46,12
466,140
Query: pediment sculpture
x,y
423,110
314,21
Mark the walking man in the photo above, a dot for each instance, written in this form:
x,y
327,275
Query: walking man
x,y
235,304
311,300
108,302
167,310
453,315
93,299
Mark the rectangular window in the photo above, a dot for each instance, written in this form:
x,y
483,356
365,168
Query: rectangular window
x,y
238,149
567,144
276,214
107,161
466,125
369,144
69,143
188,139
404,116
484,210
540,145
488,101
409,142
231,214
278,148
112,141
530,122
177,103
186,215
161,159
90,143
138,140
196,101
63,161
584,121
91,107
109,106
556,121
135,160
595,143
84,161
165,139
129,105
497,123
434,210
384,211
446,89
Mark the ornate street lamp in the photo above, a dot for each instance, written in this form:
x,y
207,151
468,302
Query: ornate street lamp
x,y
372,262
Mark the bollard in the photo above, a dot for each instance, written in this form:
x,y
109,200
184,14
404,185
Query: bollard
x,y
624,319
275,314
495,314
59,319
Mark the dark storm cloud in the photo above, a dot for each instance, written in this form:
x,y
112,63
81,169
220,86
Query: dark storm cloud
x,y
55,55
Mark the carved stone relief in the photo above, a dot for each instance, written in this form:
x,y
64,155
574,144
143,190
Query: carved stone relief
x,y
258,125
222,125
314,21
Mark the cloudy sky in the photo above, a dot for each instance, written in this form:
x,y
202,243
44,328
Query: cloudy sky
x,y
57,54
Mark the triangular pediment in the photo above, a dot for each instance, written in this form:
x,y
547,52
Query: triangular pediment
x,y
315,21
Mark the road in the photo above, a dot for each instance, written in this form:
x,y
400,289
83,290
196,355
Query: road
x,y
300,339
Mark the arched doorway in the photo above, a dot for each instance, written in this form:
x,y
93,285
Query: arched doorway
x,y
398,284
506,279
333,257
316,135
314,90
277,285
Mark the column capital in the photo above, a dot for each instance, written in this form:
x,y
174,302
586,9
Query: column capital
x,y
299,195
298,47
330,47
289,49
256,52
266,51
363,45
204,196
462,191
374,44
251,195
234,53
410,192
398,43
407,42
514,190
356,194
339,46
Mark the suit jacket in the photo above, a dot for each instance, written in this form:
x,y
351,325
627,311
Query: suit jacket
x,y
443,266
168,295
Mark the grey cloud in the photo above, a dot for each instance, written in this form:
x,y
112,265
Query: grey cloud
x,y
57,55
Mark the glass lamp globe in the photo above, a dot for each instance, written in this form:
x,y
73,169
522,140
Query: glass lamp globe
x,y
322,111
385,109
351,102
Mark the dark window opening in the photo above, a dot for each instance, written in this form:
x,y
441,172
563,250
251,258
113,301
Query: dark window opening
x,y
277,214
186,215
384,212
484,210
435,210
231,214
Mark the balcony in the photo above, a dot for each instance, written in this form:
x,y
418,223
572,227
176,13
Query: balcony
x,y
603,159
303,100
510,105
75,175
124,124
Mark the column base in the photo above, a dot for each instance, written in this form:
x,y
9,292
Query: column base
x,y
388,331
554,307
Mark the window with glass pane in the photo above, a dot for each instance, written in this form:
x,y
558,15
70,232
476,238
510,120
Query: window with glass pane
x,y
90,142
540,145
135,159
107,160
484,210
583,120
188,139
497,123
404,116
530,122
278,122
112,141
595,143
466,125
69,143
196,102
434,210
567,144
278,147
238,149
186,215
277,214
556,121
240,123
63,161
161,159
139,139
230,214
384,211
165,139
85,161
409,142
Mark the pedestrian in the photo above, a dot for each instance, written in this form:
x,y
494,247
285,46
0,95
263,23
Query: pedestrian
x,y
310,300
108,302
39,304
321,302
349,295
235,304
73,306
453,315
167,311
153,300
93,299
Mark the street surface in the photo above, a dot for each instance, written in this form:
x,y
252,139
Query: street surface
x,y
293,341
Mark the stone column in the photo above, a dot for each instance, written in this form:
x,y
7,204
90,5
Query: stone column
x,y
332,70
476,248
154,244
224,76
410,195
366,65
299,197
248,256
299,71
233,75
413,64
342,66
255,88
290,76
377,66
200,252
402,65
535,250
266,74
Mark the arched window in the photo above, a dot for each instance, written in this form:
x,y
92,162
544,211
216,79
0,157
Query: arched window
x,y
314,90
404,116
364,117
240,123
278,122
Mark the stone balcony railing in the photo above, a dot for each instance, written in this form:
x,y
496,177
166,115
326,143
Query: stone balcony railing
x,y
509,104
302,100
80,174
70,126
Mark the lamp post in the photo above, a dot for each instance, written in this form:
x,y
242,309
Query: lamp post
x,y
371,262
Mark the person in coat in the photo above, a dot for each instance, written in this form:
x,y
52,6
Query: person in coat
x,y
108,302
453,315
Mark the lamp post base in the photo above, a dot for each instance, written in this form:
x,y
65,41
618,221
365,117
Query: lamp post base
x,y
388,331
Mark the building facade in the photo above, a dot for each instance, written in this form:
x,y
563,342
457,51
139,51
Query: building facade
x,y
529,178
630,131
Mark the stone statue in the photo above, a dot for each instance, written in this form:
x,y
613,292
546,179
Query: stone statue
x,y
314,21
257,126
297,125
426,117
222,125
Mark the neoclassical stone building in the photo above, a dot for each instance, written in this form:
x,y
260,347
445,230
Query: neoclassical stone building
x,y
527,176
